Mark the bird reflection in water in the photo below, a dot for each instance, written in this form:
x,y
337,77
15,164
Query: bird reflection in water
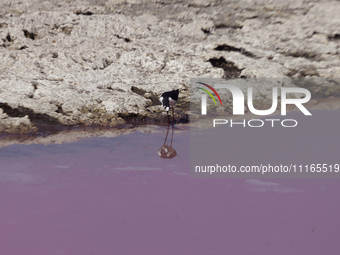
x,y
166,151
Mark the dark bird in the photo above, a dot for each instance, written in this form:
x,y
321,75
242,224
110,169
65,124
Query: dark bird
x,y
169,99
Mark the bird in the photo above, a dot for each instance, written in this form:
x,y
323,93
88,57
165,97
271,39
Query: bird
x,y
168,100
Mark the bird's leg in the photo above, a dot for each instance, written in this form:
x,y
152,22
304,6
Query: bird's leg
x,y
166,137
167,113
172,137
173,116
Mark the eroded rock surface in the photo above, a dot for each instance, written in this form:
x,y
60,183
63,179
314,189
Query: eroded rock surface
x,y
102,62
16,125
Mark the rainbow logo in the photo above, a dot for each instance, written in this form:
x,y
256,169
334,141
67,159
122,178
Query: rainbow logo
x,y
213,90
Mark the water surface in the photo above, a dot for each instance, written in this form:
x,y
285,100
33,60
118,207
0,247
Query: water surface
x,y
116,195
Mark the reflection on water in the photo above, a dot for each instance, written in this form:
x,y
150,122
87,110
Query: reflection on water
x,y
166,151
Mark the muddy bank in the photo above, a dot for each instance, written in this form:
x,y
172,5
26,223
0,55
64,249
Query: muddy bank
x,y
51,134
70,135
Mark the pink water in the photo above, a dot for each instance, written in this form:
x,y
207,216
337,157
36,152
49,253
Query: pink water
x,y
117,196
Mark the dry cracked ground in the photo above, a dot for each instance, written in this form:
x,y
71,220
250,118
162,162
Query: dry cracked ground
x,y
105,62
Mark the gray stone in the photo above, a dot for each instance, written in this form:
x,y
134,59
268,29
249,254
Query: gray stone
x,y
16,125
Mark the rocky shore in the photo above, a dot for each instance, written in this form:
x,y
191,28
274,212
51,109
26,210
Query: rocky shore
x,y
105,62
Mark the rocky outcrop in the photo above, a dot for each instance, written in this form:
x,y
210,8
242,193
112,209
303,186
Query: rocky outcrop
x,y
16,125
106,62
